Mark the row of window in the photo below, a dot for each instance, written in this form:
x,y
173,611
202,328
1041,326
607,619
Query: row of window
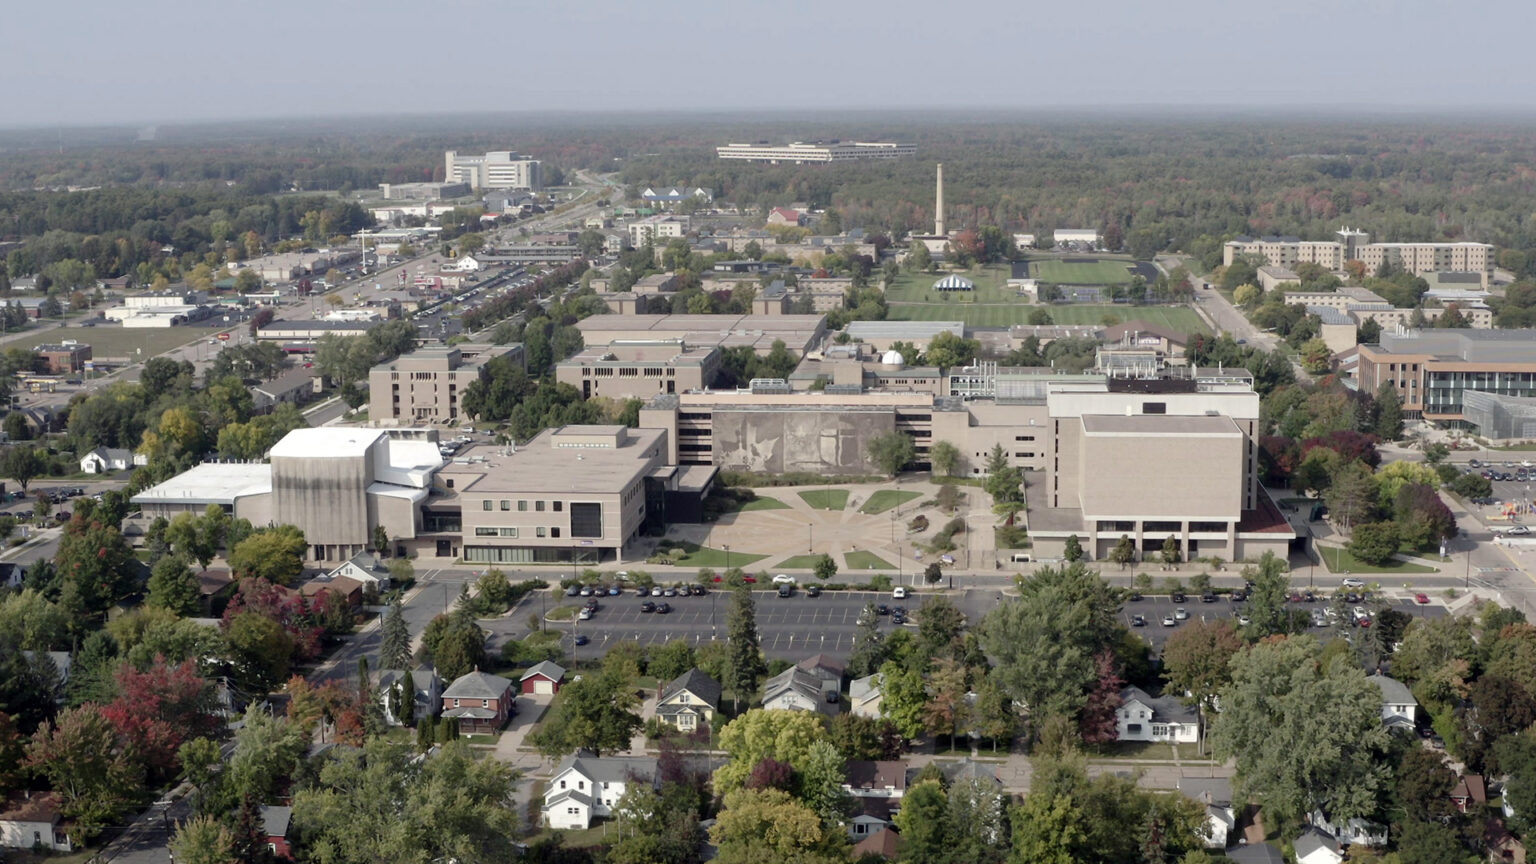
x,y
522,505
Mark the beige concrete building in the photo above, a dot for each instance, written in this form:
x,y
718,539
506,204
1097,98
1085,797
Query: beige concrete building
x,y
497,169
427,385
1337,329
800,333
1272,275
1353,245
1363,304
656,229
640,369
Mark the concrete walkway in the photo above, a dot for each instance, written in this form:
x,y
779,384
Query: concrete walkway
x,y
527,712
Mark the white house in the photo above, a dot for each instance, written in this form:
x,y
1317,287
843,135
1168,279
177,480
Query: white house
x,y
29,819
1315,847
365,568
1080,236
1356,831
1215,793
795,689
1143,718
1398,707
428,689
106,459
585,787
463,264
877,789
864,698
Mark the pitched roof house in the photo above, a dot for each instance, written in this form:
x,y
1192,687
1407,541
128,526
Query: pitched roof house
x,y
1215,793
542,678
30,819
1315,847
784,216
365,568
829,669
275,822
1398,707
480,702
1469,793
864,697
428,689
1503,847
585,787
103,460
1353,831
1143,718
795,689
882,843
882,779
689,701
1256,853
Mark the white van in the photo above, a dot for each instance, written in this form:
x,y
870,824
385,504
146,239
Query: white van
x,y
899,594
1021,558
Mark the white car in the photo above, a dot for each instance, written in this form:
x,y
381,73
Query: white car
x,y
1519,531
783,579
899,593
585,614
1352,582
1181,613
1359,613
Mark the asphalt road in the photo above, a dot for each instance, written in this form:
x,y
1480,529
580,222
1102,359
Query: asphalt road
x,y
1155,608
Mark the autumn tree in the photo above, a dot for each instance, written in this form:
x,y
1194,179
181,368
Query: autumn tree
x,y
158,709
92,769
1197,657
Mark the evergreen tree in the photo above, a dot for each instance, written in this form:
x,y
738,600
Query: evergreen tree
x,y
406,713
747,667
426,733
249,836
448,730
395,643
869,651
1389,417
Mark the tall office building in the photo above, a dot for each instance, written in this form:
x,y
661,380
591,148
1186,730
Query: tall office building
x,y
498,169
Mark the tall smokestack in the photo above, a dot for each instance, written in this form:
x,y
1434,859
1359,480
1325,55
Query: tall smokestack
x,y
938,204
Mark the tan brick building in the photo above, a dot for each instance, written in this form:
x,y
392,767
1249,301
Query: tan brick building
x,y
427,385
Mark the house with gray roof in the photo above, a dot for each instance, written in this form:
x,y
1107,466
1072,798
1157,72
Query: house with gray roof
x,y
585,787
1165,718
426,687
1399,710
1215,794
864,696
796,689
1256,853
480,702
689,701
1315,847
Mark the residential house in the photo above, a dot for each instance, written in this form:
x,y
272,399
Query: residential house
x,y
829,669
275,822
103,460
585,787
347,589
1399,710
29,819
61,662
864,696
1469,793
542,678
366,569
480,702
795,689
882,843
1315,847
294,388
1215,793
1143,718
1256,853
877,789
871,816
465,264
689,701
785,216
427,690
1355,831
1503,847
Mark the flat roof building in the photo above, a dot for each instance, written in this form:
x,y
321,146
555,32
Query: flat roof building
x,y
1432,369
66,358
1353,245
881,335
640,369
497,169
428,384
800,333
801,152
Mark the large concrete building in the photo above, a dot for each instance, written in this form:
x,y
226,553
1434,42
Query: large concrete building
x,y
1432,369
640,369
498,169
656,229
1352,245
799,152
427,385
1363,304
800,333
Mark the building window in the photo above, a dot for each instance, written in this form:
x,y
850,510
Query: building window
x,y
540,531
505,504
557,505
1154,407
538,506
522,506
448,481
554,532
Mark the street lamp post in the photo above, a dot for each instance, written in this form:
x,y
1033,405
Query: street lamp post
x,y
810,536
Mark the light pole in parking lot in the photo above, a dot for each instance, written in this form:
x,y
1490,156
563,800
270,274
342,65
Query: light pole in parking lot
x,y
810,536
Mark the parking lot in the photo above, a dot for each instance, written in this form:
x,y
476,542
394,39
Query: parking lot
x,y
1155,608
789,627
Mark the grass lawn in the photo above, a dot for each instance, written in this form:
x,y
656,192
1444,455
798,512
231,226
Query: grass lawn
x,y
764,502
1148,750
126,341
863,559
1340,561
1178,318
703,556
826,499
561,613
800,562
885,499
991,287
1102,272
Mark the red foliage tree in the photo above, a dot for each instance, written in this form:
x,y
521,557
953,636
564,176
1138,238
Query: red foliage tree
x,y
298,616
1278,457
158,709
1097,722
770,773
1347,443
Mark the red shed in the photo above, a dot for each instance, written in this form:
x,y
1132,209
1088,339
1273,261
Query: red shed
x,y
543,678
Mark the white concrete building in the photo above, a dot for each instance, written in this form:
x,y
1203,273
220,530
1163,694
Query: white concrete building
x,y
497,169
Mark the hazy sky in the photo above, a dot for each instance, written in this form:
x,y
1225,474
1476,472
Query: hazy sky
x,y
83,62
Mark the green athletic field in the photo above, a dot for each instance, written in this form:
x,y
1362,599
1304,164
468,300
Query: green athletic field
x,y
991,287
1072,273
1179,318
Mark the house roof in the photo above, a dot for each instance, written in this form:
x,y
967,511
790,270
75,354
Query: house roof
x,y
368,562
1256,853
421,676
298,379
607,769
882,843
473,712
864,774
31,807
213,581
552,671
823,666
1208,790
1471,787
1119,331
696,682
864,688
1312,840
807,684
563,795
275,820
787,213
1165,709
477,685
969,769
1393,691
343,585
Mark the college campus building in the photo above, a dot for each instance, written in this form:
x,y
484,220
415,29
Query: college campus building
x,y
820,151
799,333
65,358
1433,369
427,385
640,369
1363,304
1353,245
498,169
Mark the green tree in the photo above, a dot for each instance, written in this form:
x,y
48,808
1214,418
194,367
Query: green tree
x,y
825,568
1316,357
761,733
903,698
1073,551
868,644
821,782
762,825
1172,553
274,554
944,457
395,641
22,463
1246,296
1389,412
203,840
1124,552
891,452
1374,542
1046,830
918,257
1268,614
597,712
261,651
1424,785
747,667
1352,494
173,586
926,832
1197,659
88,765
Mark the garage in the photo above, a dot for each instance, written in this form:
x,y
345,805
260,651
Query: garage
x,y
542,679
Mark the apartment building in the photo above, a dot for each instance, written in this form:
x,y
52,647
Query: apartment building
x,y
427,385
1363,304
799,152
652,229
498,169
1353,245
640,369
1433,369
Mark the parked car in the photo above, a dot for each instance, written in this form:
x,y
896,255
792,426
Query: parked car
x,y
786,590
669,592
585,615
582,639
1208,597
783,579
572,591
663,609
1352,582
813,591
882,609
1181,613
898,618
647,606
696,590
1421,599
899,593
613,591
1138,620
1169,622
586,590
642,591
1178,597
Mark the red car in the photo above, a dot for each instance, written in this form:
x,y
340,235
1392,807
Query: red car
x,y
752,579
1421,599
